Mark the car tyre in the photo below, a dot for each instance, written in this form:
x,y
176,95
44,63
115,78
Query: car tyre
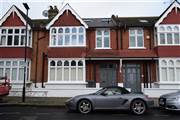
x,y
84,106
138,107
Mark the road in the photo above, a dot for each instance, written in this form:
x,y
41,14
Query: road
x,y
59,113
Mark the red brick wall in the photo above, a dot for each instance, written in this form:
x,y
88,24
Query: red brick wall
x,y
168,51
67,19
173,17
13,20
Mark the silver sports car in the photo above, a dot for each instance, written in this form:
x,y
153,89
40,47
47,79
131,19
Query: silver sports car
x,y
170,101
110,98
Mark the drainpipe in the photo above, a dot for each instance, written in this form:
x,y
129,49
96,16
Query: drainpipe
x,y
44,56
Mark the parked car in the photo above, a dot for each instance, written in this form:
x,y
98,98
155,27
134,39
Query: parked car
x,y
170,101
110,98
4,87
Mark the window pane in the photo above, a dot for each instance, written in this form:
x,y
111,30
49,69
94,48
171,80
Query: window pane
x,y
23,31
161,28
59,63
177,74
139,41
67,30
53,30
16,40
99,42
80,74
169,28
80,63
1,72
73,63
59,74
9,41
81,30
52,74
176,28
67,40
52,63
1,63
81,39
164,74
74,30
60,40
3,40
171,74
106,32
66,74
162,38
106,42
66,63
60,30
178,62
21,74
163,63
7,72
176,38
23,38
169,38
132,32
15,63
10,31
139,31
16,31
99,32
8,63
53,40
74,40
73,74
3,31
14,74
132,41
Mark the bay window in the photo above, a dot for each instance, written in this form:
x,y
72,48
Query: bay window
x,y
168,35
14,69
14,37
66,70
169,70
67,36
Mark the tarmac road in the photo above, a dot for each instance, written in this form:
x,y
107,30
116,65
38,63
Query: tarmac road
x,y
60,113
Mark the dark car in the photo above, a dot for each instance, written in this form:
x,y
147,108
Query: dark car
x,y
110,98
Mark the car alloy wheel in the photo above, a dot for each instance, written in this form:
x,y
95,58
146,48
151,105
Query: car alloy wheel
x,y
84,106
138,107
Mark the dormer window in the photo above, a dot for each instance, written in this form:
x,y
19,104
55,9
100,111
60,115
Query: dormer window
x,y
67,36
168,35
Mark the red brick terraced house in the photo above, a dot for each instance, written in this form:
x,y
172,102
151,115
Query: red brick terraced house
x,y
68,55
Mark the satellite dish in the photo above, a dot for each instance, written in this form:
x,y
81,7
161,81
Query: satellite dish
x,y
45,13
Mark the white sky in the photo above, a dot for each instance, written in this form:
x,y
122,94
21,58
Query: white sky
x,y
92,8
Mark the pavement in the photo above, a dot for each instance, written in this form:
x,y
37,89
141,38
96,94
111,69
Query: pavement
x,y
41,101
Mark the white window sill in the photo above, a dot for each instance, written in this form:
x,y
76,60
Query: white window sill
x,y
169,45
67,46
169,83
64,82
137,48
103,48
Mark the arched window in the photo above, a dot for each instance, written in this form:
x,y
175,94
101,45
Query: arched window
x,y
60,30
53,30
74,30
52,63
80,63
171,63
73,63
178,63
66,63
162,28
163,63
81,30
67,30
176,28
59,63
169,29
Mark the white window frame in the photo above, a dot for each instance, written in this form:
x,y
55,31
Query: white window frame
x,y
69,67
102,37
70,34
165,32
29,41
136,41
18,67
175,67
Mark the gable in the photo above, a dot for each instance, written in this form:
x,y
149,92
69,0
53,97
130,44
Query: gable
x,y
13,20
173,17
67,19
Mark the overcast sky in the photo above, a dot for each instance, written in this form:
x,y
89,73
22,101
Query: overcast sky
x,y
92,8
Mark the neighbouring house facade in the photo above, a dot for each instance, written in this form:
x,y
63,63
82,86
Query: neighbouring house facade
x,y
69,55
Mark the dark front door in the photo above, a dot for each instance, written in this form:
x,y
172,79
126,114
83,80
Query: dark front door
x,y
131,76
108,75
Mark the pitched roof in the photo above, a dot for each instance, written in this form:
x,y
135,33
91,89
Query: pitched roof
x,y
22,16
66,7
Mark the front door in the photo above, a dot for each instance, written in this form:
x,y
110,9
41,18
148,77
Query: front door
x,y
108,75
131,76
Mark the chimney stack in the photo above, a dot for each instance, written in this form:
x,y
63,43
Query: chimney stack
x,y
52,12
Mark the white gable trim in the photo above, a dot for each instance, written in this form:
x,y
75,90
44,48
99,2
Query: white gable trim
x,y
66,7
12,10
175,4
